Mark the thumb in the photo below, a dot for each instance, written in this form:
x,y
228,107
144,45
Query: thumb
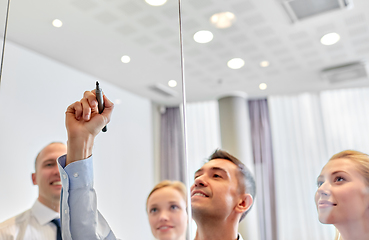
x,y
108,110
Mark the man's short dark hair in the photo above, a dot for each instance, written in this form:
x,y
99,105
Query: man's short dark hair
x,y
247,180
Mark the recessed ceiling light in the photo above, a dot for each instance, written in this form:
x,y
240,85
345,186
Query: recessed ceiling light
x,y
330,39
262,86
203,36
236,63
117,101
223,19
264,64
125,59
57,23
156,2
172,83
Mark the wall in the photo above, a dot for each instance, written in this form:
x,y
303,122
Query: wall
x,y
34,94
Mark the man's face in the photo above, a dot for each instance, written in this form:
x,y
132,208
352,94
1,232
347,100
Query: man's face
x,y
47,175
215,191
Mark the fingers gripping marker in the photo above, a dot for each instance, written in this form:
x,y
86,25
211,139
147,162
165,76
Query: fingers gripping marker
x,y
100,101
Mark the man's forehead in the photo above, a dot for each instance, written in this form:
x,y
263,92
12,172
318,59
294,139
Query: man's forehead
x,y
219,163
57,148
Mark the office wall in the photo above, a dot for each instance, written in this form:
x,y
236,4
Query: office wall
x,y
34,94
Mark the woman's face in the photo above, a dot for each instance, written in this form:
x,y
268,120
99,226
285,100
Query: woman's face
x,y
342,194
167,214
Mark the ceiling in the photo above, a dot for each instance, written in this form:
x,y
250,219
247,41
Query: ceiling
x,y
96,33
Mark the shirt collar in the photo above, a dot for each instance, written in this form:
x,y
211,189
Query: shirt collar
x,y
42,213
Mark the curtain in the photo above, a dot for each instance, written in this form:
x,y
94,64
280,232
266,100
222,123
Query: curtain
x,y
203,132
264,170
346,119
172,163
299,152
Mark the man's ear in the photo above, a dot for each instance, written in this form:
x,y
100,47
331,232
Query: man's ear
x,y
34,179
244,203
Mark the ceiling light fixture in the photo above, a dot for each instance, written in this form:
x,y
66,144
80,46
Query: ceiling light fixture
x,y
223,19
263,86
172,83
264,64
203,36
330,39
125,59
236,63
156,2
57,23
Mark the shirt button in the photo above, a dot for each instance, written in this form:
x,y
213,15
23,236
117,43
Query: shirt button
x,y
65,211
64,176
75,175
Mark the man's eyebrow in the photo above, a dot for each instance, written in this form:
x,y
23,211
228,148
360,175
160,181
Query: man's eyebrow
x,y
49,160
220,169
200,170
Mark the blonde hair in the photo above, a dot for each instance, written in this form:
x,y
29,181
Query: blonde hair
x,y
179,186
362,163
361,160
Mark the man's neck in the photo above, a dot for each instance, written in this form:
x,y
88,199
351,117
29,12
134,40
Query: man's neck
x,y
54,205
215,230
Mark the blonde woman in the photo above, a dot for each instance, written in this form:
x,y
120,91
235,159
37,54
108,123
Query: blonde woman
x,y
166,210
342,198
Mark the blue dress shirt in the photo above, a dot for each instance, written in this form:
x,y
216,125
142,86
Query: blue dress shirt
x,y
79,216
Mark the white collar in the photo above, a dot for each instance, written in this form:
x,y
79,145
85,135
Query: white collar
x,y
42,213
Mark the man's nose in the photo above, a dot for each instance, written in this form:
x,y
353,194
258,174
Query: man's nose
x,y
56,170
201,181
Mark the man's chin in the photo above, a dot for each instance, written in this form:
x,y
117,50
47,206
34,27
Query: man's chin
x,y
56,196
199,209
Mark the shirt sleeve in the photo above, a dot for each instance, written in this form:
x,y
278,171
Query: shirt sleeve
x,y
80,218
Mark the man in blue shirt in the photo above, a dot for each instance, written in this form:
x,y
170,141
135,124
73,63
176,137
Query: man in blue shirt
x,y
221,195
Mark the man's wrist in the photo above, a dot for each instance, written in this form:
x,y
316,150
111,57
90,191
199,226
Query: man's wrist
x,y
79,148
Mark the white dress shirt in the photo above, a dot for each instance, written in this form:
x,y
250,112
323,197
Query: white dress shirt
x,y
33,224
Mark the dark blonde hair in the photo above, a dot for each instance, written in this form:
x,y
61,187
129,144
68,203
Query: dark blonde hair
x,y
361,160
177,185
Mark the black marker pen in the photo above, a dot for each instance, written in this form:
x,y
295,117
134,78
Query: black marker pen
x,y
100,101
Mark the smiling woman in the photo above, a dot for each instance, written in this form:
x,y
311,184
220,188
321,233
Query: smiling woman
x,y
342,198
166,209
